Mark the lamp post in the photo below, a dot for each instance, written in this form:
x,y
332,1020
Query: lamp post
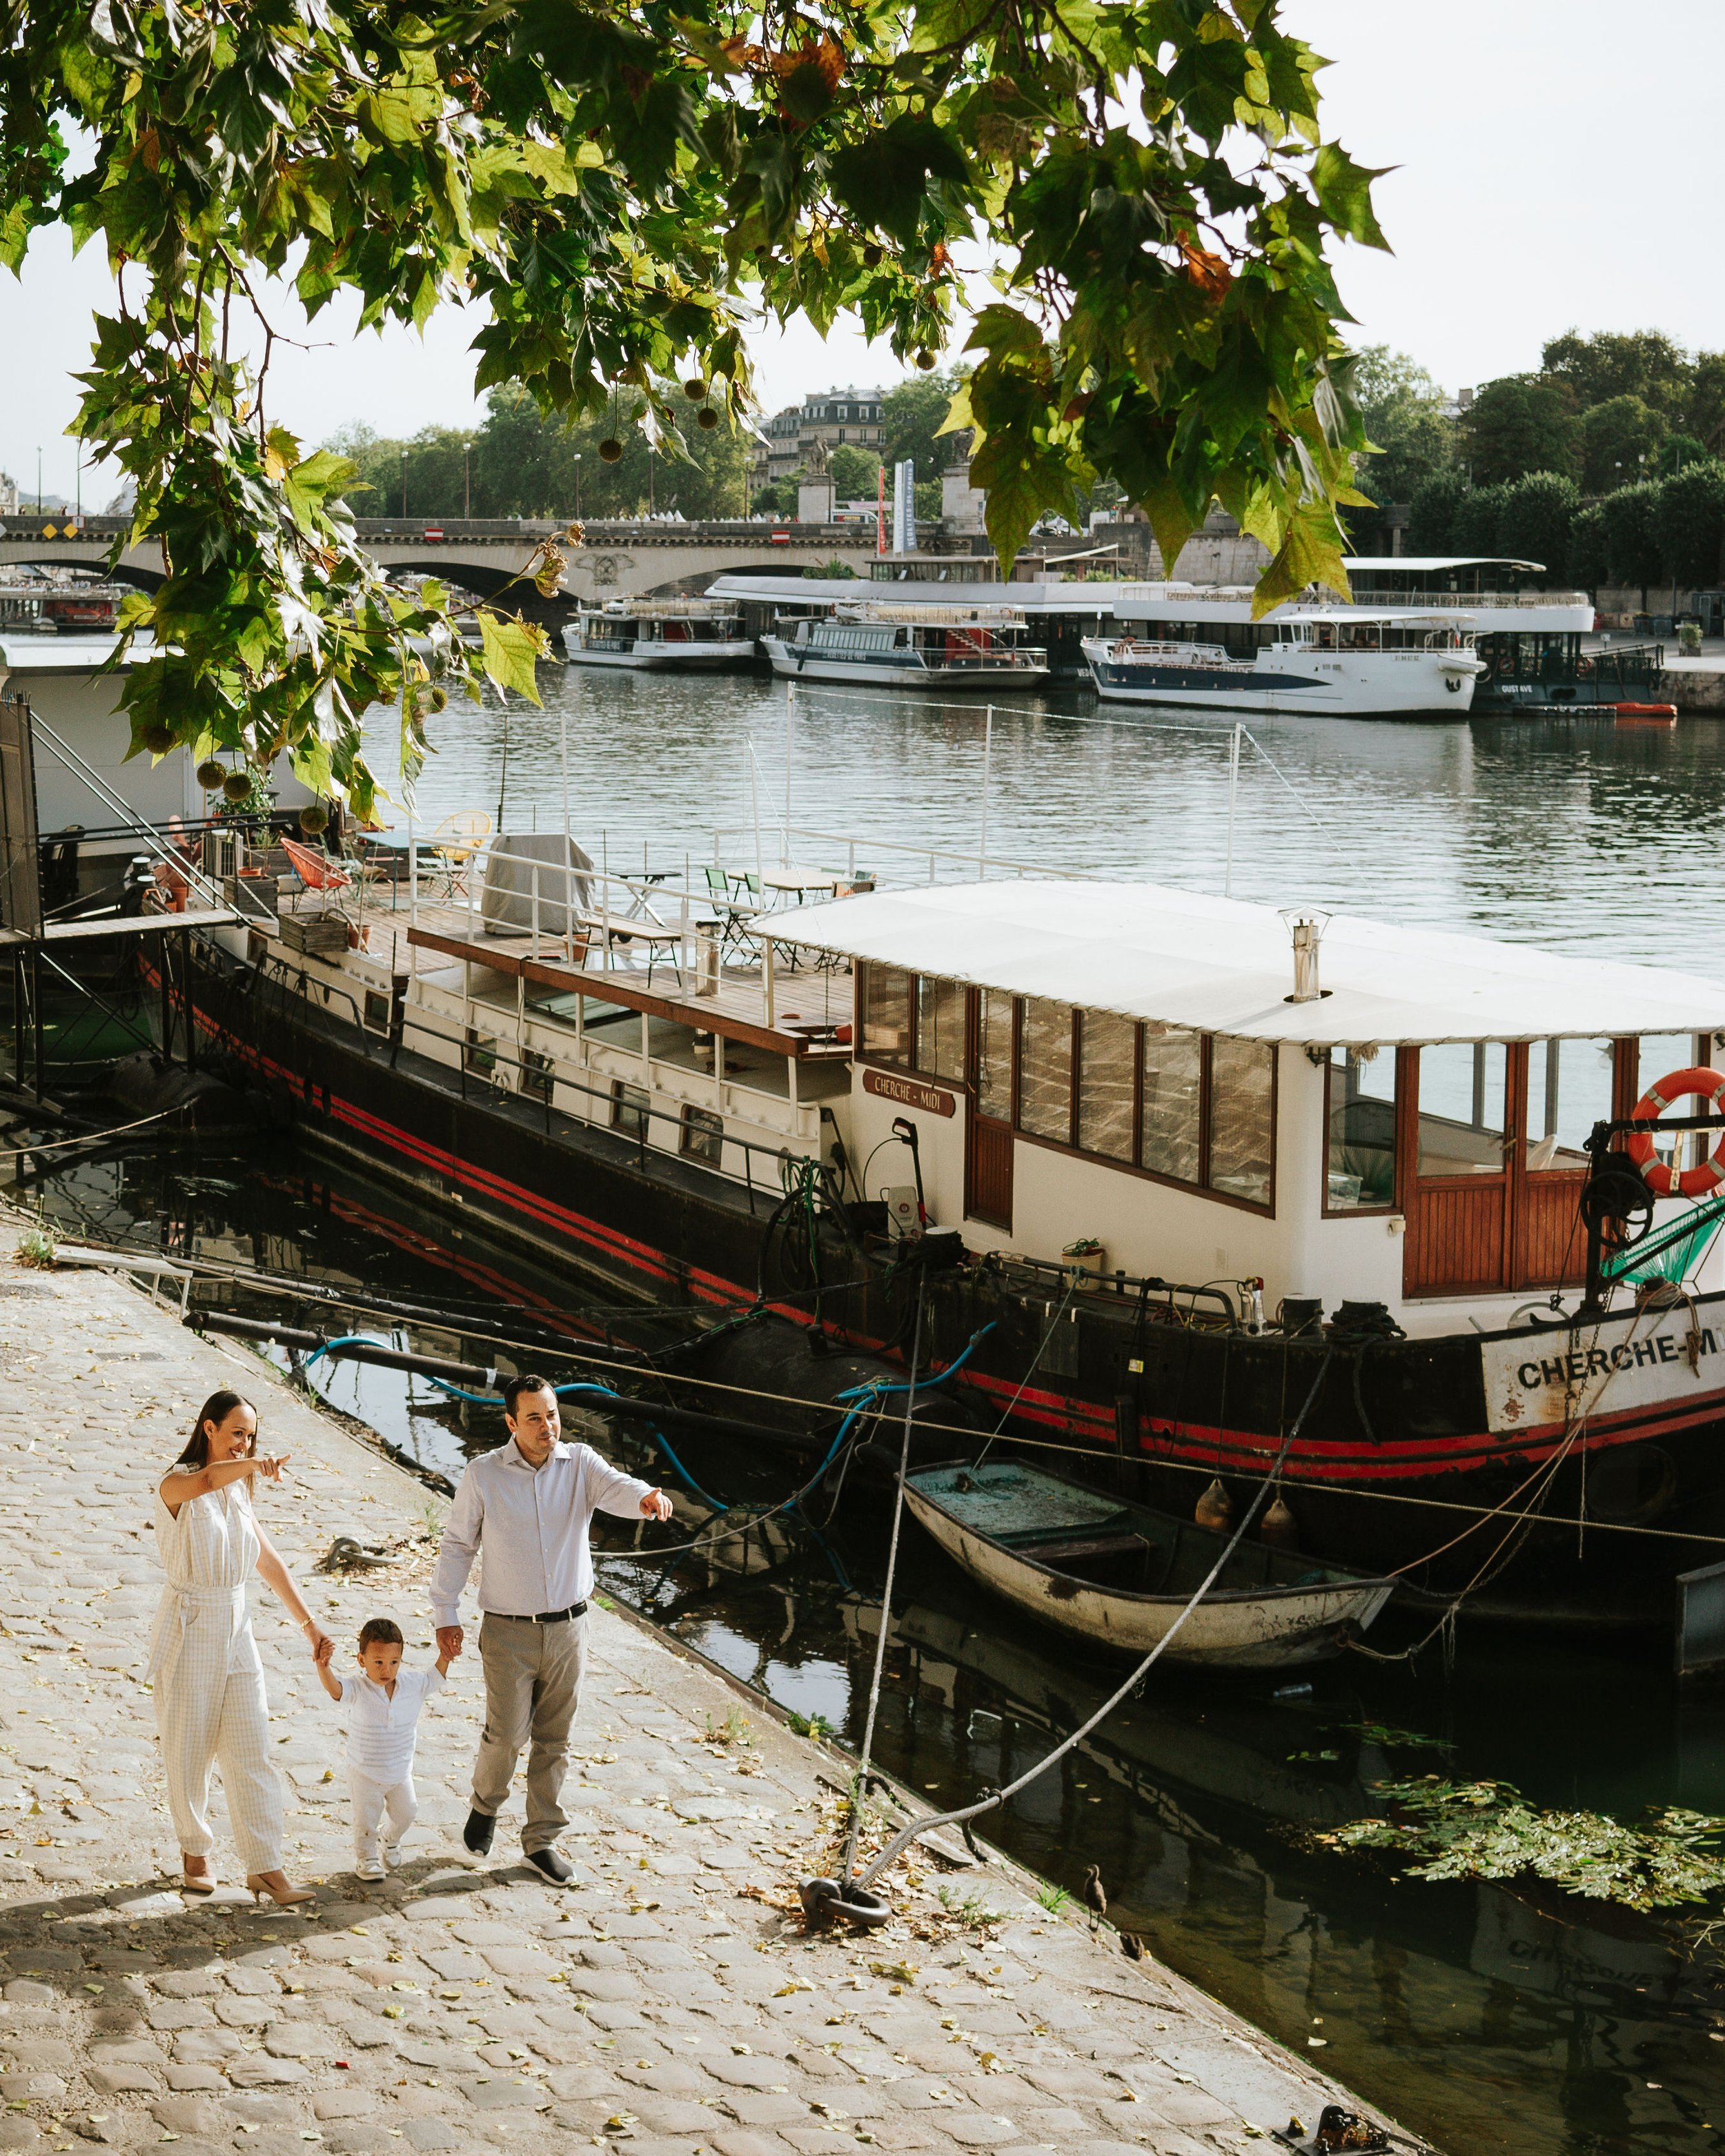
x,y
577,486
404,484
39,479
467,479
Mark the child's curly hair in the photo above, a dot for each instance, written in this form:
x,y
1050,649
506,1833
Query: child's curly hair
x,y
380,1632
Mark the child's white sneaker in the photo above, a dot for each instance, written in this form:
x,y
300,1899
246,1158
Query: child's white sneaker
x,y
391,1853
369,1868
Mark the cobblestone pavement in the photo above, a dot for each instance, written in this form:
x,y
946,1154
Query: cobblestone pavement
x,y
666,2002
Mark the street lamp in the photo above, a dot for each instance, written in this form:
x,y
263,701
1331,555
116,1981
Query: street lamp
x,y
404,484
467,479
577,486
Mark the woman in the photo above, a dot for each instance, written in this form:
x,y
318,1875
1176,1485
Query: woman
x,y
203,1661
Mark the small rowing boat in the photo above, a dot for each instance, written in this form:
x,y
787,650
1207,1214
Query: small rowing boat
x,y
1120,1573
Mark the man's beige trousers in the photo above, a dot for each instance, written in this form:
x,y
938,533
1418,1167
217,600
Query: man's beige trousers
x,y
532,1688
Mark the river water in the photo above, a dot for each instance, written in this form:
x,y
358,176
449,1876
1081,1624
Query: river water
x,y
1492,2018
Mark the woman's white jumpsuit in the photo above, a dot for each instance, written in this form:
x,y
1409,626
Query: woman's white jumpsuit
x,y
208,1681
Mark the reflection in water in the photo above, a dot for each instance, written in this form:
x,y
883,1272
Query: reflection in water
x,y
1492,2020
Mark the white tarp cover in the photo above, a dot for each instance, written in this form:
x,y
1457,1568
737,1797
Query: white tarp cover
x,y
1151,951
519,862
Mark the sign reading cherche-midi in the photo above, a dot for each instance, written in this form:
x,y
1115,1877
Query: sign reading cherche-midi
x,y
908,1092
1640,1360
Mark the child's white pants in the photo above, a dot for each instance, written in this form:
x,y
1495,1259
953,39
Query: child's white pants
x,y
372,1803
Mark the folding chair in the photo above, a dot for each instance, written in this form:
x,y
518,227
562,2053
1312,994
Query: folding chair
x,y
317,871
455,841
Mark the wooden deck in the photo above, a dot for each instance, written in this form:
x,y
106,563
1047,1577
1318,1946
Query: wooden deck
x,y
807,1005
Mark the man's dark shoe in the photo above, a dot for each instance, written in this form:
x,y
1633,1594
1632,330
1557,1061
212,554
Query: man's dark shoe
x,y
550,1865
478,1831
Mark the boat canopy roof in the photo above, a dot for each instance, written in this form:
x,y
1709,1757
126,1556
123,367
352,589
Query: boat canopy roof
x,y
1043,597
1150,951
1422,563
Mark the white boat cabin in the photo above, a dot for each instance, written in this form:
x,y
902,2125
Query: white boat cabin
x,y
1131,1072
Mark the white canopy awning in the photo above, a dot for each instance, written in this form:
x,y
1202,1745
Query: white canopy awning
x,y
1150,951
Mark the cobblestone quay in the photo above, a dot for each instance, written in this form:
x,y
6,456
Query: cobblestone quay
x,y
669,2000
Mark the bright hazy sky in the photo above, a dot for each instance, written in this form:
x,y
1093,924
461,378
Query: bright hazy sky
x,y
1552,173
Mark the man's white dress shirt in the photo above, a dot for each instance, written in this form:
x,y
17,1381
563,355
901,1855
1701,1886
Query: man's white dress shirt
x,y
531,1523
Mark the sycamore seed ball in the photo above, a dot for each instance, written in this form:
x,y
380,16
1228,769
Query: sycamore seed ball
x,y
237,786
706,417
211,774
871,256
694,388
158,740
925,360
610,449
314,818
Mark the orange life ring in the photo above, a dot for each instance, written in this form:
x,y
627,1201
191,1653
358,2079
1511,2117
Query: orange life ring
x,y
1663,1181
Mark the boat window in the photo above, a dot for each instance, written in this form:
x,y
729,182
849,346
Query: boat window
x,y
940,1028
1461,1107
1659,1055
1107,1049
538,1075
629,1109
703,1135
886,1013
993,1054
1569,1086
1242,1117
1045,1068
1360,1172
1173,1091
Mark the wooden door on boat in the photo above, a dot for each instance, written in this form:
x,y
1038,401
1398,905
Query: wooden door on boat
x,y
1455,1145
988,1130
1490,1135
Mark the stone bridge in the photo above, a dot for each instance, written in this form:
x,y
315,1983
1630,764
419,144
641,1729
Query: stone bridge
x,y
487,556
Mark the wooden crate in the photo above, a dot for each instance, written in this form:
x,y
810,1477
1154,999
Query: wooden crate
x,y
313,931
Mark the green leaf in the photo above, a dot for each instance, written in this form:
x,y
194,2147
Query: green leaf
x,y
511,648
884,179
1344,194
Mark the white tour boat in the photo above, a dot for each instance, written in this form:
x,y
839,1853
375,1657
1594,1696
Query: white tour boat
x,y
666,633
899,645
1348,661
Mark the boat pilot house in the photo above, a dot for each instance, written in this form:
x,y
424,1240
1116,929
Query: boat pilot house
x,y
1152,1082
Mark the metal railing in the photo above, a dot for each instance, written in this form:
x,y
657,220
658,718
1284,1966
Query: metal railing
x,y
385,1043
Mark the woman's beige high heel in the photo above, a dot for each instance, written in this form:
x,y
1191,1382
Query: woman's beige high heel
x,y
285,1896
196,1882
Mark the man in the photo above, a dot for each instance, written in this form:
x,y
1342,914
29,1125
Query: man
x,y
529,1502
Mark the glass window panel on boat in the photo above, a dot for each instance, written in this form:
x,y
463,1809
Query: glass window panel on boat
x,y
1173,1095
993,1054
630,1106
886,1013
940,1028
1569,1087
1360,1169
1660,1055
1107,1050
1242,1117
1461,1107
703,1135
1045,1068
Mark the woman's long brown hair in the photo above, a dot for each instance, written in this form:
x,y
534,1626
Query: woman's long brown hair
x,y
216,1409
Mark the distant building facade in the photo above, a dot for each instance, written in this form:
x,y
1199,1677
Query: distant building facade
x,y
851,416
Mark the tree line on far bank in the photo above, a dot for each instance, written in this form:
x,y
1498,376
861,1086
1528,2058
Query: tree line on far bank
x,y
1603,465
519,462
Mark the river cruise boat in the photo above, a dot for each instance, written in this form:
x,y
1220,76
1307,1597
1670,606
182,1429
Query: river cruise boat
x,y
1173,1193
893,643
1358,663
677,635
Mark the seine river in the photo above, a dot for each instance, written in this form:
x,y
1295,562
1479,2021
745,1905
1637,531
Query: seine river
x,y
1498,2021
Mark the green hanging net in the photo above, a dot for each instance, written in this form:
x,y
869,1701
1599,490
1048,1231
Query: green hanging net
x,y
1681,1246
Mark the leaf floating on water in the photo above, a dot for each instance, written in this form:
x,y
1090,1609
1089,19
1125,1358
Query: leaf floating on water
x,y
1489,1830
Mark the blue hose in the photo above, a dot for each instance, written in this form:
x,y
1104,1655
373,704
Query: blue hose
x,y
876,1388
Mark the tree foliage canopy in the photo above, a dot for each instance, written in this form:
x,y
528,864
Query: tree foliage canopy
x,y
620,185
1402,409
1521,423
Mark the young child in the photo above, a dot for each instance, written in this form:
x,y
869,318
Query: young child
x,y
383,1702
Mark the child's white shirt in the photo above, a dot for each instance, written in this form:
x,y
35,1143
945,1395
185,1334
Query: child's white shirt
x,y
381,1730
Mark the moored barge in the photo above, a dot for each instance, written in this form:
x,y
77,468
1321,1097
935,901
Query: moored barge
x,y
1177,1186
